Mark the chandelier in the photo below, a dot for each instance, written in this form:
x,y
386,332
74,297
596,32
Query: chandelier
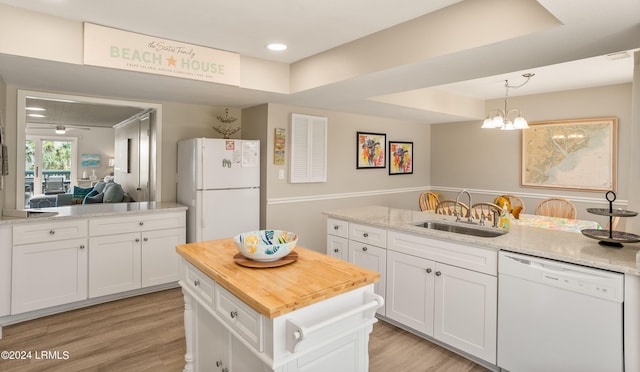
x,y
500,118
226,130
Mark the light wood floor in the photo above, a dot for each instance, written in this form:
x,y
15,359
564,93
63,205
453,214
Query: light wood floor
x,y
146,333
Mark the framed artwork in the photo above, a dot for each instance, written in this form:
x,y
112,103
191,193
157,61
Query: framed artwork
x,y
370,150
279,146
579,154
400,157
90,160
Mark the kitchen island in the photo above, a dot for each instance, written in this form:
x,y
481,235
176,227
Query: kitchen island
x,y
314,314
444,286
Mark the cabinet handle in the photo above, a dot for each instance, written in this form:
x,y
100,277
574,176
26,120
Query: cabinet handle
x,y
218,363
429,271
196,282
364,249
438,273
336,250
234,314
81,246
365,235
336,227
137,240
145,239
52,231
141,223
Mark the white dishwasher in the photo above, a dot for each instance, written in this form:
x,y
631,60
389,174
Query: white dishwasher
x,y
554,316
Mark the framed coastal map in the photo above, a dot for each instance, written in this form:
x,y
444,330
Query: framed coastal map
x,y
576,154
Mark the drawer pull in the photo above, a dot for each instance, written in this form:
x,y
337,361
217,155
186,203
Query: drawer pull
x,y
365,235
81,246
141,223
52,231
364,249
196,282
137,240
145,239
429,271
336,250
438,273
336,227
218,363
234,314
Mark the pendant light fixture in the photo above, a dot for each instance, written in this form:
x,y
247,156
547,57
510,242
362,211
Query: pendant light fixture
x,y
500,118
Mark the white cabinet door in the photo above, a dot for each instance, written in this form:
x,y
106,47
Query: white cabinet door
x,y
410,286
466,310
339,355
160,262
114,264
338,247
211,342
48,274
5,270
372,258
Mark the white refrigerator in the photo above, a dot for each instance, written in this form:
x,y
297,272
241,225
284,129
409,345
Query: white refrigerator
x,y
219,180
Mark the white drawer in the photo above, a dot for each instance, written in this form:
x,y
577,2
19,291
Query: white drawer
x,y
240,316
195,280
368,234
43,232
338,228
136,223
484,260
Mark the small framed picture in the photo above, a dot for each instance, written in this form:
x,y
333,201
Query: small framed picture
x,y
400,157
370,150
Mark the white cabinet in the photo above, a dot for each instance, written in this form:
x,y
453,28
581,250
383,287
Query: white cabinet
x,y
141,254
337,239
5,270
114,264
361,245
453,304
373,258
49,265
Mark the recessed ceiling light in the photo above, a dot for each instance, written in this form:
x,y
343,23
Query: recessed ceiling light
x,y
37,115
277,47
35,109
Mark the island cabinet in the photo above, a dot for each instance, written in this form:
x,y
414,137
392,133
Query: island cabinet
x,y
314,314
444,290
49,264
134,251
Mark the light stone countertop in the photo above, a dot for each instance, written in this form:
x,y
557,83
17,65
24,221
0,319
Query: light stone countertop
x,y
96,210
564,246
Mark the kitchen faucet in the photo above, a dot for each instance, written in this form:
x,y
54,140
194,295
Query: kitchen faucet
x,y
469,219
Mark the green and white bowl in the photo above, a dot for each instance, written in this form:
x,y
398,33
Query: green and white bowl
x,y
265,245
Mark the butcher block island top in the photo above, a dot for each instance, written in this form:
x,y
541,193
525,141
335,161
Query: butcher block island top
x,y
275,291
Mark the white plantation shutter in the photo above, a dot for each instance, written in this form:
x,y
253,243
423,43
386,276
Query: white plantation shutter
x,y
308,149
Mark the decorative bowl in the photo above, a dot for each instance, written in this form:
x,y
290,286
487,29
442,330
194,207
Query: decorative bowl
x,y
265,245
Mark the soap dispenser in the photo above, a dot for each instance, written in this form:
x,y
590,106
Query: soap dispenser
x,y
505,221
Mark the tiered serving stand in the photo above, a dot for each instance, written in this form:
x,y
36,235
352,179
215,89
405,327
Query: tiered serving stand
x,y
610,237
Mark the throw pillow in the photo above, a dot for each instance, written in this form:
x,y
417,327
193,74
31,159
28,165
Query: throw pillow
x,y
113,194
91,193
80,192
99,186
94,199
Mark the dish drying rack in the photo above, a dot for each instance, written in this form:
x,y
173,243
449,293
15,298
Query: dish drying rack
x,y
609,237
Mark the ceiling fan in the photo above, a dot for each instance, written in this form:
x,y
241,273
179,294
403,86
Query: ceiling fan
x,y
59,128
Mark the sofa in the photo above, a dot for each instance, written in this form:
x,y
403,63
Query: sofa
x,y
102,192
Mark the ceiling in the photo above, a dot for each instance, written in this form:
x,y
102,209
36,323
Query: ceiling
x,y
570,55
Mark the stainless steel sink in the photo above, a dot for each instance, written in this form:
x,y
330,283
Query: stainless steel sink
x,y
462,229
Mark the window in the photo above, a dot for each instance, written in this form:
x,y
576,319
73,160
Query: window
x,y
47,159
